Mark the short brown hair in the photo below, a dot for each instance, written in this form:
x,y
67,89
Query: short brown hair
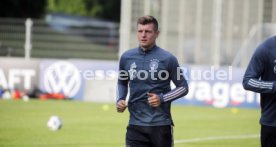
x,y
147,19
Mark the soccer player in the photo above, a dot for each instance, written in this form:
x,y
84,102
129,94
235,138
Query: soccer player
x,y
148,70
260,77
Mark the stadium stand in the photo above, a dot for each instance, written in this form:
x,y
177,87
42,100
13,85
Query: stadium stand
x,y
85,42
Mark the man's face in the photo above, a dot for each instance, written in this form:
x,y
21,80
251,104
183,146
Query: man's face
x,y
146,35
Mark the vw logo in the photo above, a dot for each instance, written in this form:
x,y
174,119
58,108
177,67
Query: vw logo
x,y
62,77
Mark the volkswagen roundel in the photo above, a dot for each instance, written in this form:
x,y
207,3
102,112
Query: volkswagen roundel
x,y
62,77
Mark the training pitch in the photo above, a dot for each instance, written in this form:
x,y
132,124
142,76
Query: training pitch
x,y
86,124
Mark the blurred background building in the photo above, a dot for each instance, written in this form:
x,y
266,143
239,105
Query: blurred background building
x,y
208,32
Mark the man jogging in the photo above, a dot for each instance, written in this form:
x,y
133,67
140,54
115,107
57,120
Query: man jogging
x,y
260,77
147,71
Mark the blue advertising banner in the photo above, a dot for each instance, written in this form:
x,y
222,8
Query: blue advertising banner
x,y
69,77
218,87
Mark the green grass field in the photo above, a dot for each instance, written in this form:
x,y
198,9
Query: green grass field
x,y
86,124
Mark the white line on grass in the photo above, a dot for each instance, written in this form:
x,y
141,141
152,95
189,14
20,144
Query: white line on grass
x,y
216,138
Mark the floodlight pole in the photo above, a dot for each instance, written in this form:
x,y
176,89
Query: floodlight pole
x,y
125,26
28,35
216,36
181,30
147,7
164,23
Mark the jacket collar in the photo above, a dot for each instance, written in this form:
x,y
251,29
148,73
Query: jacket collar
x,y
142,51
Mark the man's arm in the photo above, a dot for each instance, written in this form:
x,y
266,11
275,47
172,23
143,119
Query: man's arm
x,y
176,75
251,79
122,87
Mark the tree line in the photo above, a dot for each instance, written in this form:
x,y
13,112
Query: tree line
x,y
104,9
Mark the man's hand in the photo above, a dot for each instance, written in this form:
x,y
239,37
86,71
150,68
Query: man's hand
x,y
154,100
121,106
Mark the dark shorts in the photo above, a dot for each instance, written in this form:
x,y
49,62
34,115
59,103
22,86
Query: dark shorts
x,y
149,136
268,136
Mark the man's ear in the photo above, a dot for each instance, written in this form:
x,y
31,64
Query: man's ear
x,y
157,33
